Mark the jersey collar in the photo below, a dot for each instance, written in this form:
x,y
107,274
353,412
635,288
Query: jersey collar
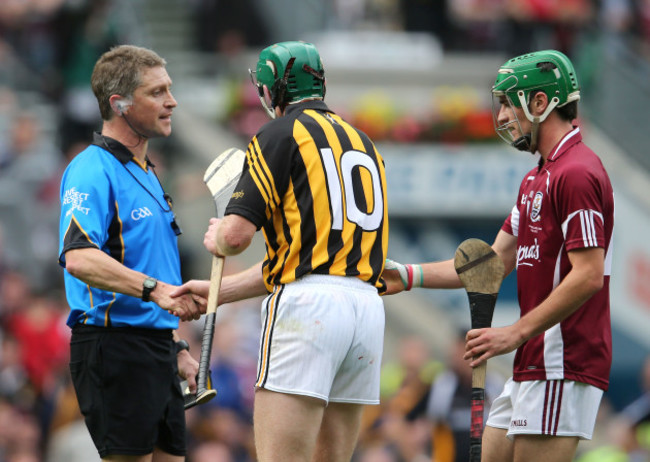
x,y
571,138
317,104
116,148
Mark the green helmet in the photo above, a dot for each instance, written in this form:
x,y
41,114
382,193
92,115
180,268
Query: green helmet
x,y
292,72
549,71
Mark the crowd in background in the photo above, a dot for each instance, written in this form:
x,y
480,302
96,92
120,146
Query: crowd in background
x,y
47,50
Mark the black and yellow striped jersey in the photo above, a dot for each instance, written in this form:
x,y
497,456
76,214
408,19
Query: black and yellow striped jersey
x,y
316,186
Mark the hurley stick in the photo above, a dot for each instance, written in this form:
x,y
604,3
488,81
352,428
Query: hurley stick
x,y
481,272
221,178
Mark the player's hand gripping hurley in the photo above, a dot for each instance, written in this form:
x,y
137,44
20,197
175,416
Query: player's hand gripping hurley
x,y
481,272
221,177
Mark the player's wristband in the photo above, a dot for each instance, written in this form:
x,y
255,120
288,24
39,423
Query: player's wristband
x,y
411,275
416,276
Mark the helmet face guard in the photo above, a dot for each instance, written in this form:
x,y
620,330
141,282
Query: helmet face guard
x,y
261,94
291,72
548,71
504,130
269,102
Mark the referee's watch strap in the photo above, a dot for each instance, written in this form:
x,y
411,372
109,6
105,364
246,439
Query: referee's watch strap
x,y
148,285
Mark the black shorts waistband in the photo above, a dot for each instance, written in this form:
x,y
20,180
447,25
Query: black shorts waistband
x,y
82,329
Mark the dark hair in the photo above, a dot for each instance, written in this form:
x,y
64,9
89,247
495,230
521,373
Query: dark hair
x,y
568,112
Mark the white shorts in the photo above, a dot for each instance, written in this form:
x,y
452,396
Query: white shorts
x,y
322,336
546,407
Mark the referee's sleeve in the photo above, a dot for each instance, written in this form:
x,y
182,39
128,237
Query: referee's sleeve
x,y
87,208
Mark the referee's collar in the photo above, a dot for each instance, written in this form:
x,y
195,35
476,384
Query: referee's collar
x,y
317,104
116,148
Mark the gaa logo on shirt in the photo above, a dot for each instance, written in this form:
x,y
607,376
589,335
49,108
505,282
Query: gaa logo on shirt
x,y
537,207
142,212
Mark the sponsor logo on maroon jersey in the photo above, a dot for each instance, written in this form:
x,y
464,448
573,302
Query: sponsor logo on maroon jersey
x,y
525,253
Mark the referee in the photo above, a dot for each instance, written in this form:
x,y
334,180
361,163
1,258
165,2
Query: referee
x,y
118,245
316,187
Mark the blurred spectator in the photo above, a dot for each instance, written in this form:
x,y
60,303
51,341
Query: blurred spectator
x,y
610,442
634,419
376,453
29,28
225,423
228,27
88,28
20,435
40,331
25,154
449,405
544,24
478,25
348,13
211,452
26,160
617,15
430,16
68,438
15,294
13,377
399,421
643,19
39,328
407,381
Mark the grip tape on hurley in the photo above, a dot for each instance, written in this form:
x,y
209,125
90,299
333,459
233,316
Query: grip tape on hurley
x,y
481,308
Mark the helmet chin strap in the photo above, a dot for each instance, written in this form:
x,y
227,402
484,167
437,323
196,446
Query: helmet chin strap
x,y
528,142
522,143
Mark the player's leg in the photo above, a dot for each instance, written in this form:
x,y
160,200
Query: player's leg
x,y
307,327
496,447
356,383
550,417
286,426
541,448
338,433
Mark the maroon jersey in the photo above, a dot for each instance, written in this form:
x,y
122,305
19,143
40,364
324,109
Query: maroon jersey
x,y
566,204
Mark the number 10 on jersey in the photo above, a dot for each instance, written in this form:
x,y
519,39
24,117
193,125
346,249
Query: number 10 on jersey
x,y
342,191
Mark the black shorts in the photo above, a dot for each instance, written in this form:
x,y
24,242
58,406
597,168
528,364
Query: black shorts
x,y
128,389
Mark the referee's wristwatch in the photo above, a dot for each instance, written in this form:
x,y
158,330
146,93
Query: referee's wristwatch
x,y
182,345
148,286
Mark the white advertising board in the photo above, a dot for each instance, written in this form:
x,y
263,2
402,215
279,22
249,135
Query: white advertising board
x,y
475,181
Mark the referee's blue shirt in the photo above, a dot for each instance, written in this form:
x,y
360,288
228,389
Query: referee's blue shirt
x,y
110,202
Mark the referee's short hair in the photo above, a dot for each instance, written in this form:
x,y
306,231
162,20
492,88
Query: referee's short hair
x,y
119,71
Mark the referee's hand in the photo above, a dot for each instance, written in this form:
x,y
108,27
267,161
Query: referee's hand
x,y
199,290
182,306
188,368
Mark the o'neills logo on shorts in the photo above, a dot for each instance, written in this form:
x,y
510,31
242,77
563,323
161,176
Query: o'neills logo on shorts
x,y
518,423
